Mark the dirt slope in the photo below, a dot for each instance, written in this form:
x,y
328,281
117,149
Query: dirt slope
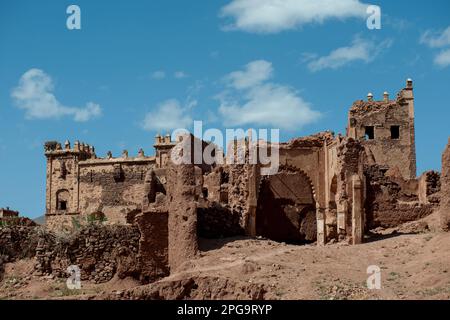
x,y
413,266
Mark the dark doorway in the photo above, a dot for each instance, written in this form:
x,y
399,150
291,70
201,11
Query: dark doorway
x,y
395,132
62,205
286,209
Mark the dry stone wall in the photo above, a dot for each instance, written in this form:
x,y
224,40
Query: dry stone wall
x,y
100,252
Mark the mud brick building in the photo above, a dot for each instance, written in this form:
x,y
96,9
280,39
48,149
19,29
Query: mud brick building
x,y
386,130
327,188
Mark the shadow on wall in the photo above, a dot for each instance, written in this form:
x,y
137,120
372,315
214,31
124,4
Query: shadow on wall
x,y
217,221
286,209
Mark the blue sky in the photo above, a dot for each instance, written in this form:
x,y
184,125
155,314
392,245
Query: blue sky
x,y
141,67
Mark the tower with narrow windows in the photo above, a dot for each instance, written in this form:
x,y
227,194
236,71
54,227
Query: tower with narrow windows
x,y
62,189
386,129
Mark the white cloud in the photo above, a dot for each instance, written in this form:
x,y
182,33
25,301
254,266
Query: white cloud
x,y
271,16
264,103
34,94
158,75
168,116
443,59
255,73
360,50
436,39
180,75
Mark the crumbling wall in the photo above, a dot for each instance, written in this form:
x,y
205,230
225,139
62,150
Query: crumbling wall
x,y
429,187
99,251
238,192
153,245
445,185
212,185
221,211
349,163
350,157
218,221
18,242
388,204
114,189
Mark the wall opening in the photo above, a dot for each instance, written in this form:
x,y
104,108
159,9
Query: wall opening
x,y
395,132
62,200
205,193
370,132
62,205
286,209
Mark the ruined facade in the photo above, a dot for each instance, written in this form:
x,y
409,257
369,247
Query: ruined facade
x,y
328,188
82,186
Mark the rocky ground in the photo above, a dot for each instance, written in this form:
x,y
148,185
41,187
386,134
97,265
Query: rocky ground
x,y
414,261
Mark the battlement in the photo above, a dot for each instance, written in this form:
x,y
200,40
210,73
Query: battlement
x,y
164,140
124,158
361,107
54,148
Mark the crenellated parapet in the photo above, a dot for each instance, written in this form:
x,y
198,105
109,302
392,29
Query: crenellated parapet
x,y
80,149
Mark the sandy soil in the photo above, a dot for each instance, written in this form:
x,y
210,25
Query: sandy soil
x,y
413,266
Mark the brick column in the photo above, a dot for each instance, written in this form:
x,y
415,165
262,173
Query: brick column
x,y
182,189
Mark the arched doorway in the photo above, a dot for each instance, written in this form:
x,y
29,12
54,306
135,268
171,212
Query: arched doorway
x,y
286,208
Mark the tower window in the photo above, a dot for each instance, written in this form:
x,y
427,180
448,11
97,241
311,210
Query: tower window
x,y
395,132
370,132
62,205
205,193
62,200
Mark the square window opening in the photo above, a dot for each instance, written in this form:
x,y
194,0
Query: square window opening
x,y
370,132
62,205
395,132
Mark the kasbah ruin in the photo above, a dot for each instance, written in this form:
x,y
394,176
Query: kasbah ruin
x,y
140,227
